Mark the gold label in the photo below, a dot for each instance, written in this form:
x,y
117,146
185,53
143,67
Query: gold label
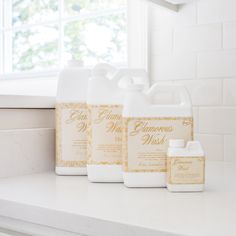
x,y
186,170
145,141
71,134
105,134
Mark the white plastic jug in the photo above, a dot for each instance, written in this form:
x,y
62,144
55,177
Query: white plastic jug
x,y
71,120
148,127
105,103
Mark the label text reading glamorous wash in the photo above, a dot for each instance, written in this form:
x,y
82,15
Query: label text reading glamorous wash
x,y
154,135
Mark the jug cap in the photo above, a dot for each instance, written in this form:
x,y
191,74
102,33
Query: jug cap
x,y
176,143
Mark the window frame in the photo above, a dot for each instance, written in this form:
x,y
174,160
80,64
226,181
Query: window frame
x,y
1,36
137,53
138,34
6,39
137,41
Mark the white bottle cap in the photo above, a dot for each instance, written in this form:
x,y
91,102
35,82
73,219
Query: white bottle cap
x,y
176,143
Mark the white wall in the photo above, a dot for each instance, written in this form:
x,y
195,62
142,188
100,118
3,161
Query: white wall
x,y
197,47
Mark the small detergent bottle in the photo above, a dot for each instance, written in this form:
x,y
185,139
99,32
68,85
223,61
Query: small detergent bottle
x,y
185,166
71,120
148,126
105,103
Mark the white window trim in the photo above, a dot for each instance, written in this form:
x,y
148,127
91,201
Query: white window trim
x,y
1,36
138,34
138,57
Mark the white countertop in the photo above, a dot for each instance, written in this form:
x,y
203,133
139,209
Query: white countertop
x,y
75,205
28,93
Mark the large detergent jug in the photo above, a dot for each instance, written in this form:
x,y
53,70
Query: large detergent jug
x,y
105,103
71,120
147,128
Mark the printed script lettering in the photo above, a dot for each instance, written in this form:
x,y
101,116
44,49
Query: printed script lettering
x,y
80,117
182,165
150,135
112,119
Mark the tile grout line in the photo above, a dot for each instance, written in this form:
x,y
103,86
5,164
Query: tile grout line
x,y
222,36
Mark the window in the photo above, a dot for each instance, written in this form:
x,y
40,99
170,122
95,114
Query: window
x,y
42,35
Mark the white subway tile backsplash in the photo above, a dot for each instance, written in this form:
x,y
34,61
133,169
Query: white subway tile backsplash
x,y
187,15
170,67
196,47
212,145
216,10
161,40
198,38
218,120
217,64
204,92
229,35
196,119
229,92
230,147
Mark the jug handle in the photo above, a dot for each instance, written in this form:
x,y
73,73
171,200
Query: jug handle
x,y
106,67
167,88
140,73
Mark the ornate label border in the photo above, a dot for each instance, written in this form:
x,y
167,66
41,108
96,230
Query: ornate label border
x,y
59,161
186,121
169,178
89,135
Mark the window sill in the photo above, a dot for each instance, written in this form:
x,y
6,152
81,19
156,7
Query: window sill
x,y
28,93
